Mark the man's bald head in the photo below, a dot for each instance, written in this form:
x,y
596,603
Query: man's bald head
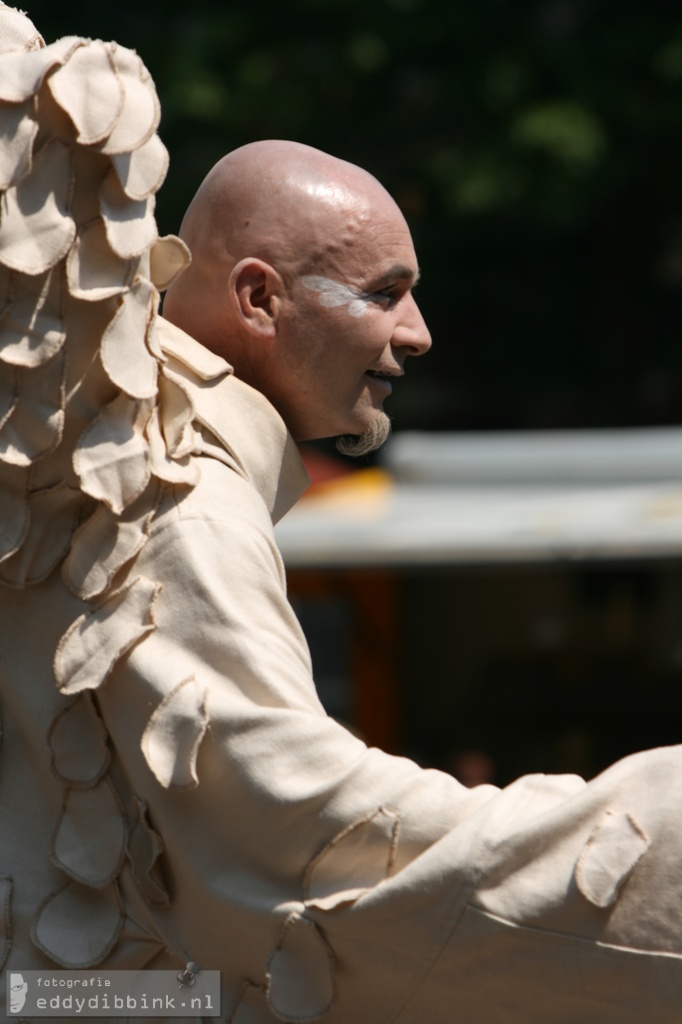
x,y
287,243
288,204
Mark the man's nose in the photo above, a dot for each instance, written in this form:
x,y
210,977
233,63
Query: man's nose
x,y
412,333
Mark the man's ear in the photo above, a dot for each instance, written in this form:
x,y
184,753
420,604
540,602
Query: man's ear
x,y
257,292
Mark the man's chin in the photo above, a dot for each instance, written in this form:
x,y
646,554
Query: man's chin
x,y
376,434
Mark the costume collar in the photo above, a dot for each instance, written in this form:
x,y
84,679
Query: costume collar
x,y
241,418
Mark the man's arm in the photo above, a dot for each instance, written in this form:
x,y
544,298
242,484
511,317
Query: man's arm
x,y
324,873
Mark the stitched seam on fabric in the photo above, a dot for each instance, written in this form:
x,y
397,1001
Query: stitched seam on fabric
x,y
317,1015
575,940
65,780
121,857
339,837
101,954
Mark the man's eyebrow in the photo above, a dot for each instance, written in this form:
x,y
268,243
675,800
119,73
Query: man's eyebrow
x,y
398,272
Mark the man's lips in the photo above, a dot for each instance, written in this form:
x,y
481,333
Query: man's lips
x,y
383,378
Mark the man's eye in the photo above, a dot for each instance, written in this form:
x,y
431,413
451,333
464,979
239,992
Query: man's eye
x,y
385,294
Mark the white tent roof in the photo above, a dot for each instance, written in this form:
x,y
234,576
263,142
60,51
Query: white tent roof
x,y
489,498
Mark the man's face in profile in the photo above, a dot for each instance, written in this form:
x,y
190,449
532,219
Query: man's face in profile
x,y
352,323
18,988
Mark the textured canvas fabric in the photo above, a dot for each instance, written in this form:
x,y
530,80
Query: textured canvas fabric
x,y
199,804
17,31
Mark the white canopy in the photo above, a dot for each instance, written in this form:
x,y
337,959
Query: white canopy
x,y
488,498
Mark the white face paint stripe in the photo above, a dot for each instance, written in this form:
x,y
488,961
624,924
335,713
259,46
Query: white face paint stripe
x,y
333,294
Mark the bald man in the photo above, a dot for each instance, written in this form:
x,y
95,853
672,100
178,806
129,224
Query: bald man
x,y
301,277
171,790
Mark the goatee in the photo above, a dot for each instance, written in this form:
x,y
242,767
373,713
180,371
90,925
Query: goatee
x,y
376,434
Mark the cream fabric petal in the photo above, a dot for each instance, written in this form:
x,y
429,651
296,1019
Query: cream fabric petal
x,y
611,854
300,981
89,90
142,170
153,339
35,229
36,424
53,516
112,458
104,543
140,115
53,123
77,740
14,514
88,389
18,129
354,862
173,471
125,356
93,271
89,842
89,171
171,740
22,76
144,264
5,919
17,32
145,846
92,645
169,257
201,363
78,925
56,471
32,328
176,415
130,223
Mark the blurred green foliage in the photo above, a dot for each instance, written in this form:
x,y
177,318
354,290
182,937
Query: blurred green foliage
x,y
534,145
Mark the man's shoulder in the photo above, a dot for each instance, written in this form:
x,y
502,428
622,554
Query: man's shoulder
x,y
240,418
180,348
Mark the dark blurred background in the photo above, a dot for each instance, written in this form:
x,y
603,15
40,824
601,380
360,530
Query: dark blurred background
x,y
534,145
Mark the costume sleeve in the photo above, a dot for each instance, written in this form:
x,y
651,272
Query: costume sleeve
x,y
331,881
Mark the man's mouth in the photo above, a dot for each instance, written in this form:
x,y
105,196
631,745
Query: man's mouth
x,y
383,379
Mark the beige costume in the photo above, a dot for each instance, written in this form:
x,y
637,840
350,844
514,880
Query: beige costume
x,y
170,787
